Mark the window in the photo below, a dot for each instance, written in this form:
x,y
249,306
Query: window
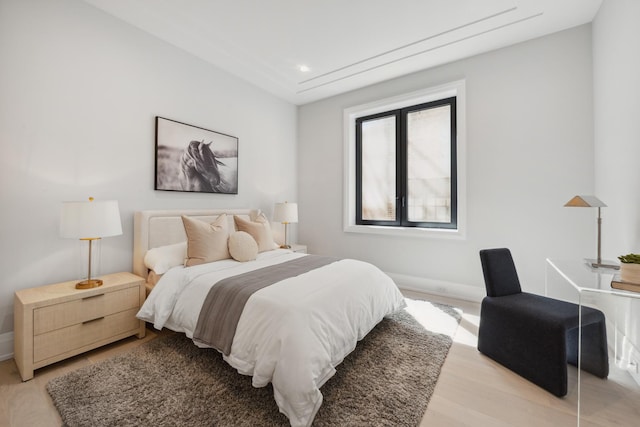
x,y
405,164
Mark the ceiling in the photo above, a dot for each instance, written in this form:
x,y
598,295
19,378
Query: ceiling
x,y
346,44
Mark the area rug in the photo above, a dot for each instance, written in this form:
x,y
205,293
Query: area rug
x,y
386,381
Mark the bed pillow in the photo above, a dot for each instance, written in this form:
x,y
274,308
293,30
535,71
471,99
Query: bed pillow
x,y
259,229
242,246
206,242
162,258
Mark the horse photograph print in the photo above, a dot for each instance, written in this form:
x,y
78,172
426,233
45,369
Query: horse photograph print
x,y
194,159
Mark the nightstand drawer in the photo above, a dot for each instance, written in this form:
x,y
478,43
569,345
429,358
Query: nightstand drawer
x,y
73,337
69,313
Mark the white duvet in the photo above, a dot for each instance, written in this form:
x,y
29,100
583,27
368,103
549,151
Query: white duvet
x,y
292,333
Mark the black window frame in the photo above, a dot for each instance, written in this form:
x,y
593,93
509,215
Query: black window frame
x,y
402,216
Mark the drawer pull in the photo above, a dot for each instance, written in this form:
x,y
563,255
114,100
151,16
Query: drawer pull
x,y
92,320
92,296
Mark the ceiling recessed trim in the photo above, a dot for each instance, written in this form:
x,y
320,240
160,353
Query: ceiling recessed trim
x,y
396,49
374,67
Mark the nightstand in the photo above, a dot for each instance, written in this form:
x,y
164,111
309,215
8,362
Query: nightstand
x,y
58,321
299,248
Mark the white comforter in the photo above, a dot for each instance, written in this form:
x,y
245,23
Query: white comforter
x,y
293,333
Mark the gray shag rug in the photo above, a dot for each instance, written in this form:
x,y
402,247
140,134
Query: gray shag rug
x,y
386,381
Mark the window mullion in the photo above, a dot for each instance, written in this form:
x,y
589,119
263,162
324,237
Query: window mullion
x,y
401,168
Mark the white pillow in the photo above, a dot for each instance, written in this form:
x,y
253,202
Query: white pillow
x,y
242,246
162,258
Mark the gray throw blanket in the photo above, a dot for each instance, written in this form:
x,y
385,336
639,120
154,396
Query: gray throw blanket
x,y
225,301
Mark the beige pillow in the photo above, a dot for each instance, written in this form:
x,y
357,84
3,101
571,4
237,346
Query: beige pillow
x,y
242,246
206,242
259,229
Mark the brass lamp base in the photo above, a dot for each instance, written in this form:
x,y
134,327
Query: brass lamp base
x,y
88,284
285,246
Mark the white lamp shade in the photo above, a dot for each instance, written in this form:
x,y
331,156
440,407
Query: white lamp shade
x,y
91,219
285,212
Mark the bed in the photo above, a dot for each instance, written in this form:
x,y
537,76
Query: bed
x,y
292,333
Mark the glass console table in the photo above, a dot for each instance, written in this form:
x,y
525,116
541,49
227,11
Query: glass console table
x,y
616,400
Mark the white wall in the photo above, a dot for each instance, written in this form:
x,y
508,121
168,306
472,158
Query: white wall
x,y
616,71
529,150
79,91
616,75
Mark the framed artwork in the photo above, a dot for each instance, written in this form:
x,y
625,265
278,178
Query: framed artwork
x,y
194,159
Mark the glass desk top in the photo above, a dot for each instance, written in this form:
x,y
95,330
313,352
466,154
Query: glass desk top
x,y
584,278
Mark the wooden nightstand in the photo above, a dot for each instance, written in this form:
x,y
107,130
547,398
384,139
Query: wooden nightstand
x,y
299,248
58,321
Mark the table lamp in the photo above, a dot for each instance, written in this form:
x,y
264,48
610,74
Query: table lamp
x,y
592,202
285,213
90,221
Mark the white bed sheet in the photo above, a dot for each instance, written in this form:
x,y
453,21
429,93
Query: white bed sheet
x,y
292,333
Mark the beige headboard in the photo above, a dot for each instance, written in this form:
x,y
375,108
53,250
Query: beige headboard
x,y
164,227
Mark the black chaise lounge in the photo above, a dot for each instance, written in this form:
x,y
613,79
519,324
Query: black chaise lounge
x,y
533,335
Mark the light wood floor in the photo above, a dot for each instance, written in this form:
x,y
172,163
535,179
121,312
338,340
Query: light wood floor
x,y
472,390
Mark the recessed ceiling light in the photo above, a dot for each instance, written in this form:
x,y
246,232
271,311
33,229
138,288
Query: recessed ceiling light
x,y
304,68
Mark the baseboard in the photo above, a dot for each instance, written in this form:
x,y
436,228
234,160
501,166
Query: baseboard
x,y
438,287
6,346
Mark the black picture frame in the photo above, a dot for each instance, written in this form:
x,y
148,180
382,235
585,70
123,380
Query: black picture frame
x,y
194,159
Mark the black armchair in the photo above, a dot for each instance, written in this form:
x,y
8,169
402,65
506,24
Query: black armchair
x,y
533,335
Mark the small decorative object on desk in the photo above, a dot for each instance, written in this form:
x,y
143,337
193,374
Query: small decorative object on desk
x,y
630,268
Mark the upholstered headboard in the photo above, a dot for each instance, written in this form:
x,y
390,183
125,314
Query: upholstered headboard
x,y
152,229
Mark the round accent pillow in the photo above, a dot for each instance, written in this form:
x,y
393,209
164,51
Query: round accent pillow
x,y
242,246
